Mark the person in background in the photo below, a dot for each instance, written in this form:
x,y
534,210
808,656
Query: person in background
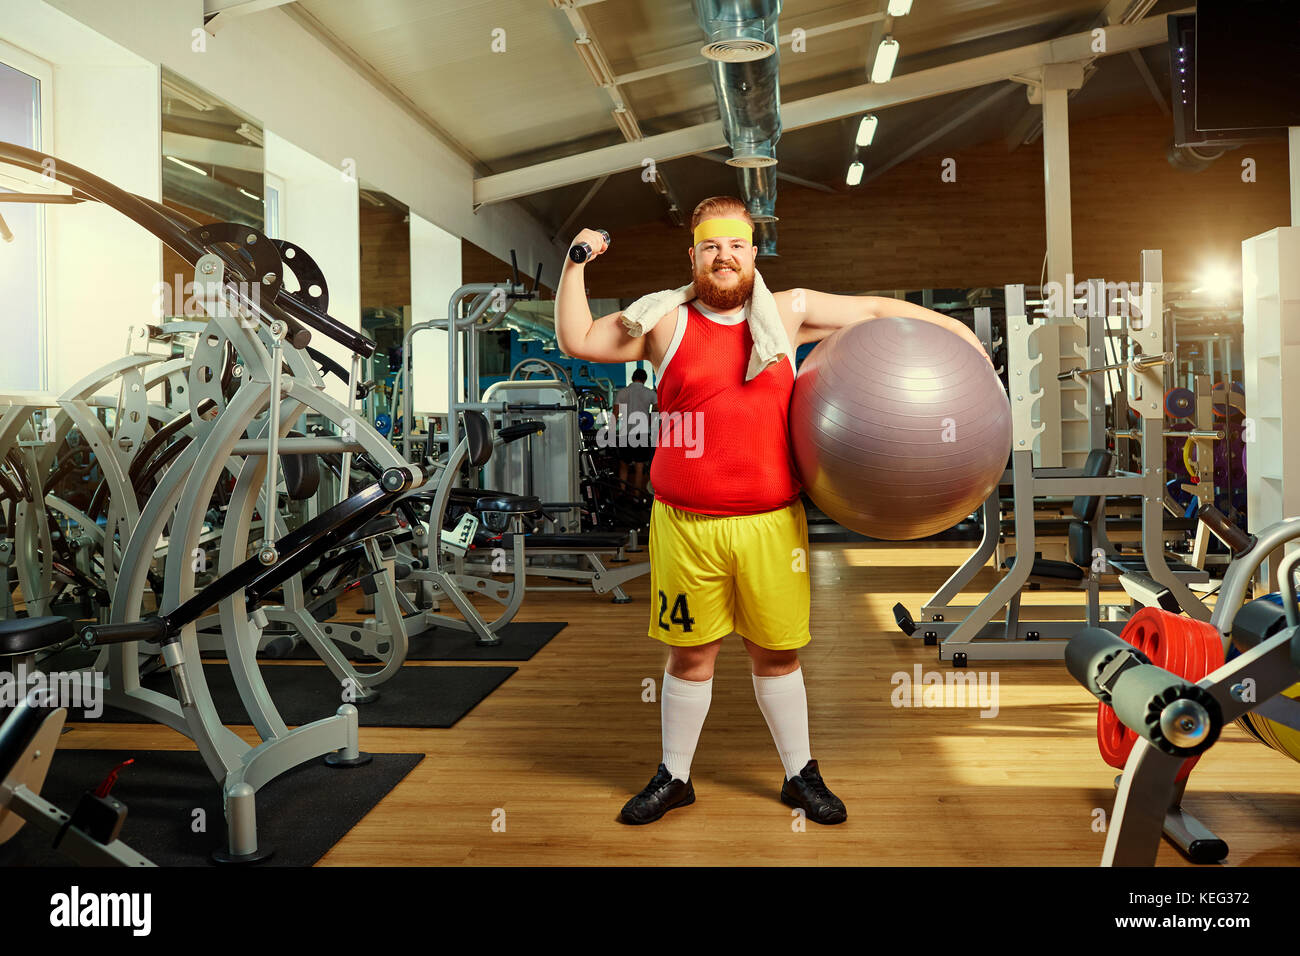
x,y
633,405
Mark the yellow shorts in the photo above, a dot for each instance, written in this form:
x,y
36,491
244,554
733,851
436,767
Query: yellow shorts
x,y
712,576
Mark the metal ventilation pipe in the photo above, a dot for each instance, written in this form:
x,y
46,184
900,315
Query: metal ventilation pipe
x,y
742,43
1193,159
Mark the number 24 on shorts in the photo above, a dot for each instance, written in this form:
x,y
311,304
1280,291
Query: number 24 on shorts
x,y
681,614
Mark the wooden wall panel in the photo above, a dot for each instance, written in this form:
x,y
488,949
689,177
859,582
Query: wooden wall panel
x,y
385,257
173,266
478,265
909,230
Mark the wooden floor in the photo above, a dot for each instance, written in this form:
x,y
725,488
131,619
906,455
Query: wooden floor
x,y
564,742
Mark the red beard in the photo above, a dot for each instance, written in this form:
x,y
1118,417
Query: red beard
x,y
729,294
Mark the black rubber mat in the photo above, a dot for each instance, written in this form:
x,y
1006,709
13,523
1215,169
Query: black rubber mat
x,y
520,640
414,697
300,814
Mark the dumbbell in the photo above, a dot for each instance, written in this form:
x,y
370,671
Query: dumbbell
x,y
581,251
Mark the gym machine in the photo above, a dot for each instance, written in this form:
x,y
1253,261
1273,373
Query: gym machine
x,y
240,274
965,634
1177,717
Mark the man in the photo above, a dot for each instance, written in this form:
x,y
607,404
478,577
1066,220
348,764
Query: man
x,y
727,528
633,405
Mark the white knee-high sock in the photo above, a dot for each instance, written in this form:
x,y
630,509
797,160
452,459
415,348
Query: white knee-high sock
x,y
683,706
784,704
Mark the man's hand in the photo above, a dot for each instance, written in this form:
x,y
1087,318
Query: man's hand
x,y
595,242
580,335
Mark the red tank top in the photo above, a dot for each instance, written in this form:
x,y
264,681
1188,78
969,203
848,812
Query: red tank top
x,y
723,443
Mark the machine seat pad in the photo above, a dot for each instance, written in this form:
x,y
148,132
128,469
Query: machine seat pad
x,y
1044,568
25,635
1137,564
595,541
507,503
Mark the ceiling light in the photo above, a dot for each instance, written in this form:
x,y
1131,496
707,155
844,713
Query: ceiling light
x,y
173,89
189,166
886,56
855,174
250,133
254,196
867,129
899,8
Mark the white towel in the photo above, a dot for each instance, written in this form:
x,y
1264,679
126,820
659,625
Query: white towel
x,y
770,341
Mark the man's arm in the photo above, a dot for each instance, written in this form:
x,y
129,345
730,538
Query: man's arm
x,y
576,332
824,313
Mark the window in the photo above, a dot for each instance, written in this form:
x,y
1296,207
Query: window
x,y
24,116
274,187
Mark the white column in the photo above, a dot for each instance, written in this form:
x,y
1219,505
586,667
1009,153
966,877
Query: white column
x,y
320,212
1055,93
435,275
1293,144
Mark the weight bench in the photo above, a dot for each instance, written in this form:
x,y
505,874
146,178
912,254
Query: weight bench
x,y
436,575
28,739
1081,571
591,546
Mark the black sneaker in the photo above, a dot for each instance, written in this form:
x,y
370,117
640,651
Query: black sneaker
x,y
663,793
809,793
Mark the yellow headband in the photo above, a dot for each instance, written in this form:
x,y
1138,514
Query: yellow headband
x,y
715,228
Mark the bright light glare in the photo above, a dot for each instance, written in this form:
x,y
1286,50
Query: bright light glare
x,y
867,129
886,56
189,166
1216,281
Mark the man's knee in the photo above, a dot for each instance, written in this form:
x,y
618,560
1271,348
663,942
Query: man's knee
x,y
770,663
693,663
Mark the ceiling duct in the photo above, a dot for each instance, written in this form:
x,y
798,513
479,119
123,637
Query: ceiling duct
x,y
532,324
742,43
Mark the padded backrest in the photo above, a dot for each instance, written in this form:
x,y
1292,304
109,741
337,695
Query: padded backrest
x,y
1080,543
19,728
1097,466
475,425
301,474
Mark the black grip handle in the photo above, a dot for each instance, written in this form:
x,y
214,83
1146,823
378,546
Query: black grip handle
x,y
96,635
327,364
581,251
512,432
1090,651
1239,541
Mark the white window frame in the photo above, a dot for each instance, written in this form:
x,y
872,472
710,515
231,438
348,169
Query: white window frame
x,y
272,182
41,71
